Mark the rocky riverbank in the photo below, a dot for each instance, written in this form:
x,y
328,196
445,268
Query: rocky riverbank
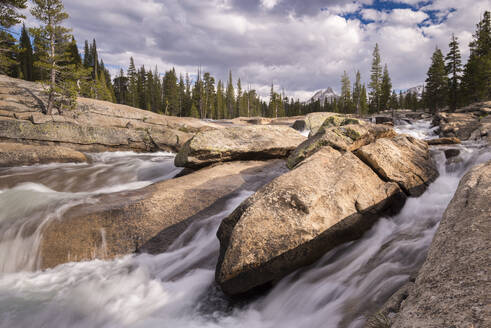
x,y
92,126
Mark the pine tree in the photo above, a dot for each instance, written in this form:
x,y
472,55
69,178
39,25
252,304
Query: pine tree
x,y
9,16
73,53
182,95
238,110
8,54
9,12
436,82
375,84
26,56
220,103
363,100
53,39
357,92
121,88
345,100
476,81
230,96
87,55
393,101
386,88
453,68
188,98
132,84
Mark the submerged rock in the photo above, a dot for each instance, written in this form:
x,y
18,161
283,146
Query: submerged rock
x,y
452,152
331,198
122,223
255,142
452,287
14,154
339,136
404,160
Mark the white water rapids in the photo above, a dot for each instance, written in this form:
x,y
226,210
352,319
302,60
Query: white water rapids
x,y
176,288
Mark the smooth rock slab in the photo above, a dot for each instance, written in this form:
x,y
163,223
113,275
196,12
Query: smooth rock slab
x,y
402,159
329,199
14,154
452,288
122,223
238,143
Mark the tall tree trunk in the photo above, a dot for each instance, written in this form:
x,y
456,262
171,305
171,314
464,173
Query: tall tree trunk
x,y
49,109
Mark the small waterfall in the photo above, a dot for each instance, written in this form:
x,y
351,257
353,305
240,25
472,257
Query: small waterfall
x,y
53,189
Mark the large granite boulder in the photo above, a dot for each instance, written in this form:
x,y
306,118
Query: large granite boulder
x,y
125,222
341,137
331,198
255,142
14,154
402,159
452,287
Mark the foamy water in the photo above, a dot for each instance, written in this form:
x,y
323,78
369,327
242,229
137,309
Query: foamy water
x,y
176,288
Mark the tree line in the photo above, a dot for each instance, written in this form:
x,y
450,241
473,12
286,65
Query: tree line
x,y
452,85
53,57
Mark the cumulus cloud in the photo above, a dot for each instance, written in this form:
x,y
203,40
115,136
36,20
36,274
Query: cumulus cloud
x,y
300,46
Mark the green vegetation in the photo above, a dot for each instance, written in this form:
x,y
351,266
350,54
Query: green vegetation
x,y
50,54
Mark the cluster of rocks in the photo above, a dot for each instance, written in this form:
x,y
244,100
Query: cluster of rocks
x,y
468,123
312,193
342,180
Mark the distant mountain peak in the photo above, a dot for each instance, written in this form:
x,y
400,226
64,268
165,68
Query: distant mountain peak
x,y
418,90
322,94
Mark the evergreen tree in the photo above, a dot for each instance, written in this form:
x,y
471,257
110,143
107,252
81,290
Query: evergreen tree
x,y
357,92
436,82
453,68
182,95
187,98
95,60
239,111
363,100
87,55
9,12
132,84
9,16
386,88
74,55
476,81
53,39
345,100
220,101
121,88
230,96
375,84
8,55
393,101
26,56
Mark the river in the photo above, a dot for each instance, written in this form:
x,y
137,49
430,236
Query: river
x,y
176,288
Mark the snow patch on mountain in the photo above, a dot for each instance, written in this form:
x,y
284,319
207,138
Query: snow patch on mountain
x,y
321,95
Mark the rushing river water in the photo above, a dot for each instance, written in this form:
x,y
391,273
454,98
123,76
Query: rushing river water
x,y
176,288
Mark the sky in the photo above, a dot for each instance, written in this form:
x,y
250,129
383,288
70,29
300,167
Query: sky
x,y
298,45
